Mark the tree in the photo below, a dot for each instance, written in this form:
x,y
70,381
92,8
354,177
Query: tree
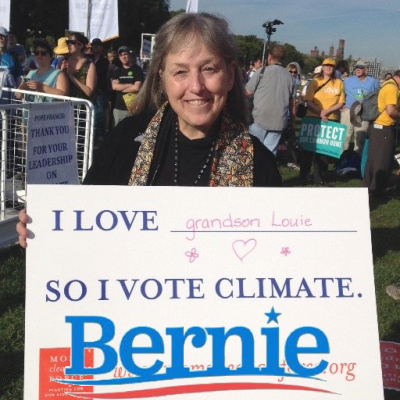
x,y
250,48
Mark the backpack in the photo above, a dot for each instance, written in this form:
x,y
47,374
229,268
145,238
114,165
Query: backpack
x,y
369,111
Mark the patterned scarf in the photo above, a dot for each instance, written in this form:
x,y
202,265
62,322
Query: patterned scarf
x,y
232,165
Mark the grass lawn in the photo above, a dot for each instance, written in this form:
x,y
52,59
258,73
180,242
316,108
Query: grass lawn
x,y
385,227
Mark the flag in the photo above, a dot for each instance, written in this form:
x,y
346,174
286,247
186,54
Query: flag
x,y
192,6
95,18
5,14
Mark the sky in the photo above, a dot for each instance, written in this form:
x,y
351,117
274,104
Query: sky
x,y
371,29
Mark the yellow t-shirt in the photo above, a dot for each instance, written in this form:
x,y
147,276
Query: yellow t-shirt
x,y
388,94
331,94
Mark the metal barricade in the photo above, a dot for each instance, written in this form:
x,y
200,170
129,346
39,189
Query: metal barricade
x,y
14,117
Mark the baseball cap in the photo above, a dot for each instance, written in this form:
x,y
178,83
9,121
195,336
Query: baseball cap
x,y
361,63
97,41
123,49
3,31
329,61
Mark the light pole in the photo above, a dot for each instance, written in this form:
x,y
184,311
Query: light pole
x,y
269,30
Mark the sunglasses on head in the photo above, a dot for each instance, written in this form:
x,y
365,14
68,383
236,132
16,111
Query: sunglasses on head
x,y
73,41
360,66
41,52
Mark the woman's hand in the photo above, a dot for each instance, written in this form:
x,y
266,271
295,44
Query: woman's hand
x,y
35,86
324,115
21,228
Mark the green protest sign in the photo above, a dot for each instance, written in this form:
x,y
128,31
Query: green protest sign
x,y
322,137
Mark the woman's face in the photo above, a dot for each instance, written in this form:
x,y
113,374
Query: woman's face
x,y
328,69
74,45
197,83
43,57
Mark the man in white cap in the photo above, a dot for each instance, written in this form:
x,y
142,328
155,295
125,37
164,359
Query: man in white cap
x,y
356,87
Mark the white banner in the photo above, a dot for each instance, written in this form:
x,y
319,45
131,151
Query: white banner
x,y
5,14
51,152
95,18
211,293
192,6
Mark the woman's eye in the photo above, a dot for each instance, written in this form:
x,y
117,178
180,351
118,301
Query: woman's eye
x,y
209,69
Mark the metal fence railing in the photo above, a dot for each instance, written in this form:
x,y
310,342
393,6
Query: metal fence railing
x,y
14,116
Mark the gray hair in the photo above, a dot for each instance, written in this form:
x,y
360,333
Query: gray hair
x,y
173,36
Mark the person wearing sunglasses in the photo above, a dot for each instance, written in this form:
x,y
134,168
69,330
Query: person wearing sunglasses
x,y
80,69
45,78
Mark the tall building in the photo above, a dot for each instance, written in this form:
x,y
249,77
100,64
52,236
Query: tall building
x,y
340,50
331,51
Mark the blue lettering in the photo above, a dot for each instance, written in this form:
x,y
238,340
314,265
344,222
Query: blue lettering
x,y
127,349
292,350
78,345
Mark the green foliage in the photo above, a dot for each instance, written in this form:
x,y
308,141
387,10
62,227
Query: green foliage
x,y
292,54
250,47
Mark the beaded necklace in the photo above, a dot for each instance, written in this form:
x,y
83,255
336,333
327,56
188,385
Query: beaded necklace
x,y
176,159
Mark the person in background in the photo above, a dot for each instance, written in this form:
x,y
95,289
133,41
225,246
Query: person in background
x,y
324,97
289,135
80,70
254,66
273,99
6,58
16,48
388,75
382,139
342,66
126,83
356,87
45,79
61,52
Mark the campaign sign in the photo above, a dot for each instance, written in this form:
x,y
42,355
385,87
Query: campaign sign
x,y
51,152
322,137
211,293
390,353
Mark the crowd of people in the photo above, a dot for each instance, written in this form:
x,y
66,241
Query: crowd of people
x,y
187,123
76,68
331,95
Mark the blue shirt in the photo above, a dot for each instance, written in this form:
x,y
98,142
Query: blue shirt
x,y
7,60
355,89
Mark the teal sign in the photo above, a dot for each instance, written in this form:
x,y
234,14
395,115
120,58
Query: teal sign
x,y
322,137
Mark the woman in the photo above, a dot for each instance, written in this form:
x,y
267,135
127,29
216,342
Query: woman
x,y
189,127
80,70
324,98
45,78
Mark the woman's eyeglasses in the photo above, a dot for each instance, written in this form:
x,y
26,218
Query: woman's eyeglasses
x,y
73,42
294,72
41,52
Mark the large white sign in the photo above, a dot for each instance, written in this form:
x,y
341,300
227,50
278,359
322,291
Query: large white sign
x,y
208,293
96,18
51,151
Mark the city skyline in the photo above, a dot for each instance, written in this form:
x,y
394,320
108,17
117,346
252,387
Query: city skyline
x,y
369,28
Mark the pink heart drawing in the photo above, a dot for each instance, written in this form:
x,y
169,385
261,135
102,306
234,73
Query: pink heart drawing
x,y
243,248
